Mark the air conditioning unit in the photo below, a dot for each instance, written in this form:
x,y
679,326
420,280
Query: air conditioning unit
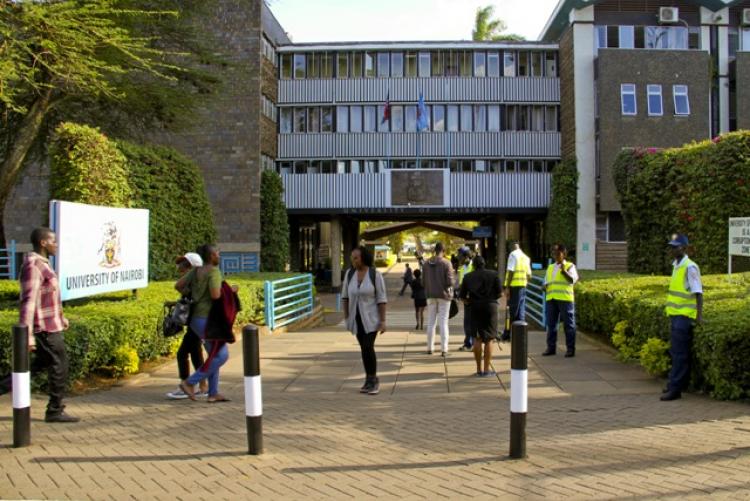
x,y
746,17
669,15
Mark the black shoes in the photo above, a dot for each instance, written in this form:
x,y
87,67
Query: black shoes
x,y
374,387
549,353
505,338
61,418
670,395
570,353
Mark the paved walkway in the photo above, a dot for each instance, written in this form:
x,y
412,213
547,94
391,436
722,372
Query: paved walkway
x,y
595,430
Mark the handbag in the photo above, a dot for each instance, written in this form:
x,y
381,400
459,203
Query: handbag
x,y
176,316
454,308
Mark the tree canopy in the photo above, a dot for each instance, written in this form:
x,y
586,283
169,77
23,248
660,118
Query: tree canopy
x,y
488,28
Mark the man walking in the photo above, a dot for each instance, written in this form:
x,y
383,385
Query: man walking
x,y
408,278
684,309
517,276
558,282
465,266
438,284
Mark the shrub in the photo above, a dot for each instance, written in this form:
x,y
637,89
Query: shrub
x,y
693,190
274,225
125,361
654,357
562,216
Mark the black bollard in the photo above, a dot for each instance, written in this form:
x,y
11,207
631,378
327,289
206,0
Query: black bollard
x,y
21,387
518,389
253,396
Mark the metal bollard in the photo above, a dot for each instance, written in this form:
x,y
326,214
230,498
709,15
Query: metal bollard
x,y
518,389
21,387
253,396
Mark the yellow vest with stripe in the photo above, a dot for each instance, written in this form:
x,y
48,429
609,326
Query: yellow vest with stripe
x,y
680,301
521,271
463,270
559,288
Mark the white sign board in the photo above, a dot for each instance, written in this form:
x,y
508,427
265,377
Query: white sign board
x,y
739,236
101,249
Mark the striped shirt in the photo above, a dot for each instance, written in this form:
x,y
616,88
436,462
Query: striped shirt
x,y
40,296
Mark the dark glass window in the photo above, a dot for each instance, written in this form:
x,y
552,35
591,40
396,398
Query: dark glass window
x,y
384,65
326,121
493,64
342,66
480,64
299,66
286,66
397,64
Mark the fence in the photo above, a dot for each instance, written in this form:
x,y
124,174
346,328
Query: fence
x,y
288,300
8,261
535,301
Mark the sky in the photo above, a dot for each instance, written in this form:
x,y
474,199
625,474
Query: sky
x,y
385,20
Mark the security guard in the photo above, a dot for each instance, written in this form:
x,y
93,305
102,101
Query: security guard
x,y
559,280
684,309
465,266
517,276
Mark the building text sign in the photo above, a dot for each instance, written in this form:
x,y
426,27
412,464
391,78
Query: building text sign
x,y
739,236
101,249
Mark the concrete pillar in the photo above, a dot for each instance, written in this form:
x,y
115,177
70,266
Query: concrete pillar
x,y
294,245
502,244
336,236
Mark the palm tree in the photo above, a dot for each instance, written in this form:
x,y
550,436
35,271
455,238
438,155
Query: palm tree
x,y
486,28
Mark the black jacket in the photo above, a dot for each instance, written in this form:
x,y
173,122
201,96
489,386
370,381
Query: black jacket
x,y
481,286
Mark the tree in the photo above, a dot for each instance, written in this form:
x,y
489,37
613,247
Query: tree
x,y
274,225
69,59
561,223
488,29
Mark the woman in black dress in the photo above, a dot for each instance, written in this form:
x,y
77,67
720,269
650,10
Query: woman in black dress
x,y
481,291
420,299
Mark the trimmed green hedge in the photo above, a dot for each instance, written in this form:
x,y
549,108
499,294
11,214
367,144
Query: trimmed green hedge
x,y
561,224
629,310
274,224
105,331
693,190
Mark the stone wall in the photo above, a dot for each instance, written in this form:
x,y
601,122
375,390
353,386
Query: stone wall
x,y
567,95
743,90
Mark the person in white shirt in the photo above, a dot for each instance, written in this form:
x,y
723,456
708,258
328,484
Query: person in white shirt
x,y
517,276
559,280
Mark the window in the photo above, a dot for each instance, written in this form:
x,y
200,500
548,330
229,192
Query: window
x,y
536,64
371,119
424,64
466,113
480,166
355,119
286,66
452,118
411,119
300,167
355,167
613,36
537,118
314,167
627,99
480,64
681,101
342,119
550,63
493,64
437,64
666,37
369,64
438,118
655,107
268,108
522,118
745,40
411,64
480,118
384,66
342,65
627,37
299,66
285,167
550,119
383,125
397,64
600,37
285,125
371,166
511,113
268,51
493,118
341,167
509,64
313,66
465,63
397,118
356,70
313,119
523,64
300,120
452,64
326,65
326,121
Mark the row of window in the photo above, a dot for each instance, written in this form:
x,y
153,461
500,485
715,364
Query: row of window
x,y
629,102
449,63
497,166
647,37
440,118
739,40
268,51
268,107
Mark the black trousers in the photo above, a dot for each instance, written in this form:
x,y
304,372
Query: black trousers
x,y
191,348
367,346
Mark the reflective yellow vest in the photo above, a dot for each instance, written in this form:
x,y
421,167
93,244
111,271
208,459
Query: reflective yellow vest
x,y
463,270
681,301
559,288
519,275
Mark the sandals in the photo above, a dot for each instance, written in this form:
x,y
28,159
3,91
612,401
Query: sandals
x,y
217,398
188,390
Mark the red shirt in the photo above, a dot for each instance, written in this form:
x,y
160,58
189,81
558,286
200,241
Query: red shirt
x,y
41,306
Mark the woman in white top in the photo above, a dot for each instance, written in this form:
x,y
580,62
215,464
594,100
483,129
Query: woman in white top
x,y
363,300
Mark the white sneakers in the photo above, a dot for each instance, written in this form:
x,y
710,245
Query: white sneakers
x,y
178,394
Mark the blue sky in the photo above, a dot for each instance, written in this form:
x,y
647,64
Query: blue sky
x,y
383,20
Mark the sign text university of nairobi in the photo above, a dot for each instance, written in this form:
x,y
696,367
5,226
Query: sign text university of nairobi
x,y
102,249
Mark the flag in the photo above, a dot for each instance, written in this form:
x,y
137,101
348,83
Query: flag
x,y
422,118
387,108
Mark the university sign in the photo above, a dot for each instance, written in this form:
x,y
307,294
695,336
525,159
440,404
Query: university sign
x,y
739,238
101,249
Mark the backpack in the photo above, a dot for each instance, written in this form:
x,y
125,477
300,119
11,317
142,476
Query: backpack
x,y
371,271
176,317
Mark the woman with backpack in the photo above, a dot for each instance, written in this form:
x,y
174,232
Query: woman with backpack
x,y
364,301
419,297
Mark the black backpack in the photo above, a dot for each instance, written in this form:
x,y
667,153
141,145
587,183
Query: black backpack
x,y
371,271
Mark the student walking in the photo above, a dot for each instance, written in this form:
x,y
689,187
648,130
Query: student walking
x,y
438,284
517,276
465,265
191,347
685,309
407,278
420,299
480,291
559,280
364,300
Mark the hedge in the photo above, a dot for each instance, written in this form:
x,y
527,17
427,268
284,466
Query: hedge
x,y
629,310
693,190
561,224
274,225
115,331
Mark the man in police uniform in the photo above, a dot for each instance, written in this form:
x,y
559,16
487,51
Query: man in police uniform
x,y
684,309
517,276
465,266
559,280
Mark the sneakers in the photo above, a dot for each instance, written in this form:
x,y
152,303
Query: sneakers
x,y
375,387
366,387
61,418
178,394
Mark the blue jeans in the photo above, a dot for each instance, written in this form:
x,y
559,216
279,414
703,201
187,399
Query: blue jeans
x,y
468,335
565,312
218,354
517,304
681,345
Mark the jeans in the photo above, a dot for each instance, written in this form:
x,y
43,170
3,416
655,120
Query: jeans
x,y
517,304
437,314
558,311
218,354
190,349
367,346
681,346
468,334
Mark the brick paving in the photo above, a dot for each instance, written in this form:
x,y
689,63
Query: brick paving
x,y
595,430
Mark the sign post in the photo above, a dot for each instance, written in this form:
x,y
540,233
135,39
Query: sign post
x,y
739,238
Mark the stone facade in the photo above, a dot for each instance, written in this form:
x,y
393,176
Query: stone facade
x,y
618,66
567,96
27,205
743,90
